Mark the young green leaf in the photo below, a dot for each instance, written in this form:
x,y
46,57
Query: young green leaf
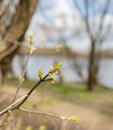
x,y
56,67
40,74
50,80
31,49
31,39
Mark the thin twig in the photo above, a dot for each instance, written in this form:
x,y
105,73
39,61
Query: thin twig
x,y
23,74
40,113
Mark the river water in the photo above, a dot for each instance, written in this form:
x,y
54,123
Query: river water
x,y
105,75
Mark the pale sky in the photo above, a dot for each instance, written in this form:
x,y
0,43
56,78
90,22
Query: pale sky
x,y
56,8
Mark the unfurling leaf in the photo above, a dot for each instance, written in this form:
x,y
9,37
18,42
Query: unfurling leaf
x,y
31,39
50,80
31,49
55,68
40,74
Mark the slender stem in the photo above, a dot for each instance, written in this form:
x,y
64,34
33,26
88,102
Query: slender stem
x,y
23,74
41,113
31,90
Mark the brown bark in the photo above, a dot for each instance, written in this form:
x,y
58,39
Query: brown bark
x,y
91,67
16,31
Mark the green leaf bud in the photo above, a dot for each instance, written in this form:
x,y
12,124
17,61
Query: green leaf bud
x,y
50,80
55,68
40,74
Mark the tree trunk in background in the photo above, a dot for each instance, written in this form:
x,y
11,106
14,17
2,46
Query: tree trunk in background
x,y
95,74
15,33
91,72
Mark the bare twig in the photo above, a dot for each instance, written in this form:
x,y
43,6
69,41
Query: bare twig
x,y
40,113
23,74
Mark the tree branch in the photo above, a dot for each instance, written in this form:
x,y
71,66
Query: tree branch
x,y
24,98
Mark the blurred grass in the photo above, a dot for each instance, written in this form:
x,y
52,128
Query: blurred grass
x,y
68,90
59,93
40,103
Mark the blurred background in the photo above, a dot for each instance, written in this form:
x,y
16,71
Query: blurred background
x,y
77,32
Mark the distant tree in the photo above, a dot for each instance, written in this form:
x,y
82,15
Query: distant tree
x,y
96,15
13,27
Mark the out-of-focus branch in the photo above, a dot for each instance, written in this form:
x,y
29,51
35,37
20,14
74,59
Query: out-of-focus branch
x,y
23,74
99,37
40,113
9,50
86,19
2,12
